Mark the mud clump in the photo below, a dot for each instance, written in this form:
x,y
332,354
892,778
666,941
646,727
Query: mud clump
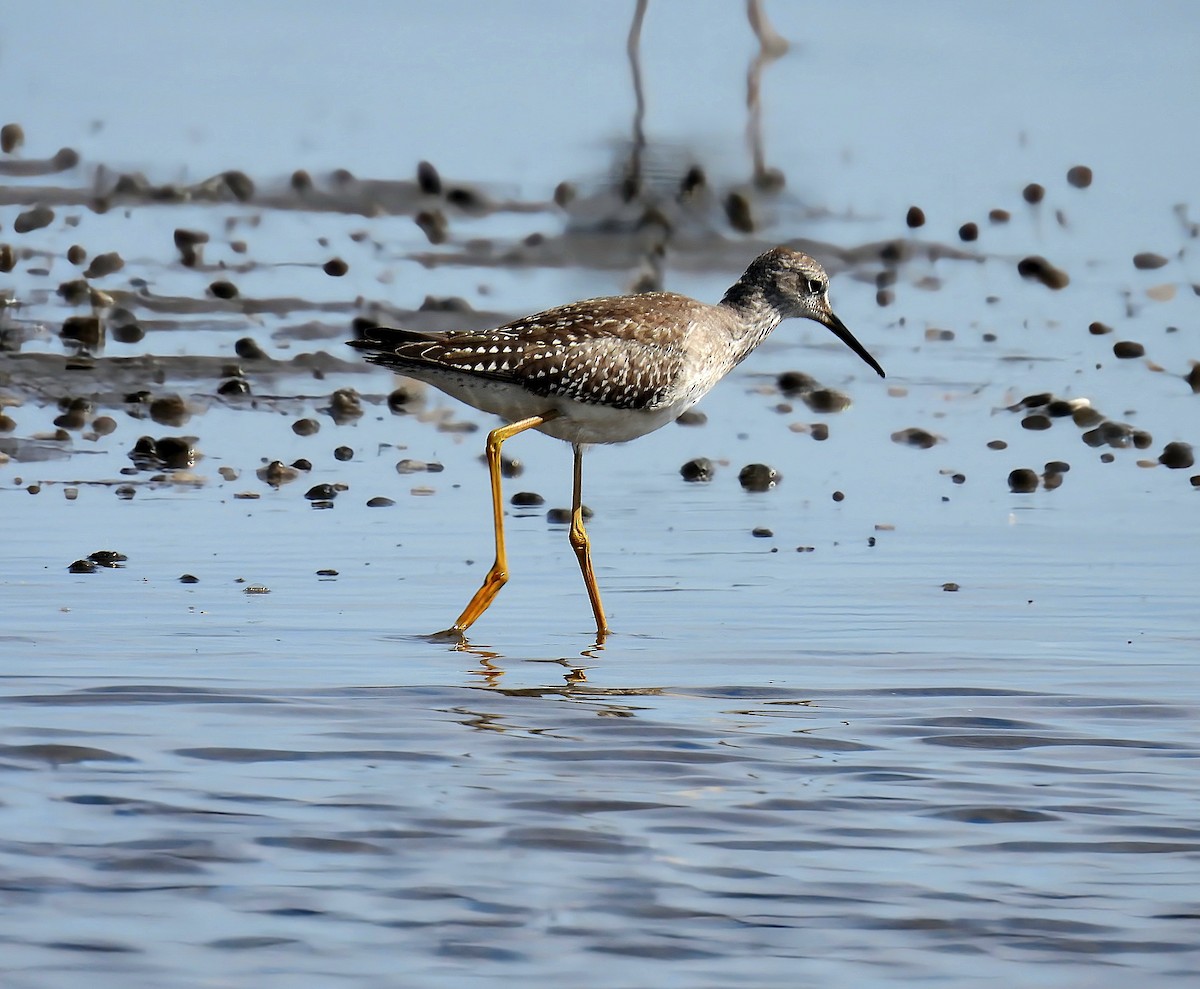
x,y
1037,268
759,477
1022,480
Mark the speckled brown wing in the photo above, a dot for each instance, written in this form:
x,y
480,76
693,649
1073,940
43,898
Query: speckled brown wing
x,y
615,351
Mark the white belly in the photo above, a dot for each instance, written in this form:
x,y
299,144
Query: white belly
x,y
576,422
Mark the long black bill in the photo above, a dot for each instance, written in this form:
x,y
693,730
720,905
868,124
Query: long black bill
x,y
842,332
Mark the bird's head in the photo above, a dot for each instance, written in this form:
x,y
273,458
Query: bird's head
x,y
796,285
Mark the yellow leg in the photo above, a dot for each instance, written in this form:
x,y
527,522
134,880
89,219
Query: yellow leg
x,y
497,577
583,547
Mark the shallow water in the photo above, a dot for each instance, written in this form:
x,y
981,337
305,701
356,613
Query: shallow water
x,y
931,730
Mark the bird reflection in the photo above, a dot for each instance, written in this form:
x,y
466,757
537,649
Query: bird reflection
x,y
490,671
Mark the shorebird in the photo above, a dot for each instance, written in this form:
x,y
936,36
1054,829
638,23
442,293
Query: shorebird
x,y
604,371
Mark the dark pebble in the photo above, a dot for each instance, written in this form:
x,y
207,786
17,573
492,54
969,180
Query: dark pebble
x,y
248,349
76,292
12,136
1194,480
1036,421
1023,480
559,516
564,194
335,267
223,289
240,184
82,566
693,182
188,243
126,492
321,492
380,502
761,532
999,215
1033,193
1148,261
1059,409
1052,480
428,179
915,217
72,419
885,297
1057,467
104,264
1098,329
914,436
527,499
1193,378
466,199
826,400
87,330
76,254
107,558
968,232
700,469
8,258
1129,348
819,431
188,578
276,473
169,410
33,219
1085,417
1177,456
343,453
327,572
433,224
344,406
408,466
444,303
692,417
302,181
104,425
128,333
234,386
737,211
176,452
302,463
510,467
1142,440
398,400
1108,433
1080,176
758,477
305,427
839,496
795,382
1039,269
7,423
950,586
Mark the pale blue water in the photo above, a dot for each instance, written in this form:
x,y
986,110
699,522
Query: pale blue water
x,y
785,768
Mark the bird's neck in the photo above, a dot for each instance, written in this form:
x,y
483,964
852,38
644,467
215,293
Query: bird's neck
x,y
754,315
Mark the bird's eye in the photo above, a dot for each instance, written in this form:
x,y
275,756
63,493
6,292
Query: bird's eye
x,y
816,286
